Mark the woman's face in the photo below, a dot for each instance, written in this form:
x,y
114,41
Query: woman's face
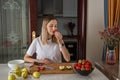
x,y
51,26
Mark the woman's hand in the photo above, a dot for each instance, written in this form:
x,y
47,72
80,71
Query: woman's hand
x,y
45,61
59,37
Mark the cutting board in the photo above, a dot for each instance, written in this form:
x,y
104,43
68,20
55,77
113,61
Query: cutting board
x,y
55,69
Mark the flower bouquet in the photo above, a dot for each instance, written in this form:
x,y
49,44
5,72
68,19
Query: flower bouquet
x,y
111,37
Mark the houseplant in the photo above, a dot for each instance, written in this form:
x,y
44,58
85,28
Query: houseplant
x,y
111,37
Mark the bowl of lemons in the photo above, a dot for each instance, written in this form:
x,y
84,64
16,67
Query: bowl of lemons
x,y
16,63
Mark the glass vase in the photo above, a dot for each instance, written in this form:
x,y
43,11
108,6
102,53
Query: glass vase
x,y
110,56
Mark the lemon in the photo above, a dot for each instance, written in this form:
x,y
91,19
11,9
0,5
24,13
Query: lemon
x,y
36,74
24,74
11,77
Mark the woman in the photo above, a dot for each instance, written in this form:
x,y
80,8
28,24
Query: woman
x,y
49,45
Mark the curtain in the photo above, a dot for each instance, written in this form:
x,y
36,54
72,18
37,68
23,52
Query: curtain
x,y
14,26
112,19
114,13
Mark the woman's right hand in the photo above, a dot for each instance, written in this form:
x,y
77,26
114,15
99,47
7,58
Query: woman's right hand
x,y
59,37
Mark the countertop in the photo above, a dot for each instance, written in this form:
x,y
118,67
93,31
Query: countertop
x,y
95,75
111,71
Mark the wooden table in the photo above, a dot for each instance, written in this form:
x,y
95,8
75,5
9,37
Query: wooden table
x,y
95,75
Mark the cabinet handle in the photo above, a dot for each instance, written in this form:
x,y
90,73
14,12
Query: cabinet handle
x,y
33,35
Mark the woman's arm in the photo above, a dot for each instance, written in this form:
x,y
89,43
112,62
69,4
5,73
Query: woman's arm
x,y
65,52
28,58
63,49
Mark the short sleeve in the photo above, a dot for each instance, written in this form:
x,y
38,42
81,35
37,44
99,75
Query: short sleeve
x,y
32,48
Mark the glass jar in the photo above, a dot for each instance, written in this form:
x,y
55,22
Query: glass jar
x,y
110,56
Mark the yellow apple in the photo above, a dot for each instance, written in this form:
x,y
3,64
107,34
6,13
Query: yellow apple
x,y
17,71
24,74
36,74
11,77
25,70
17,68
61,67
69,67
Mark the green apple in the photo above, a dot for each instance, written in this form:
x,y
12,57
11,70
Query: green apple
x,y
11,77
36,74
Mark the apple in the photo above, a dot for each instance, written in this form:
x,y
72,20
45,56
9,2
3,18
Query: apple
x,y
17,68
24,74
61,67
36,74
25,70
37,68
55,31
11,77
83,65
69,67
17,71
42,68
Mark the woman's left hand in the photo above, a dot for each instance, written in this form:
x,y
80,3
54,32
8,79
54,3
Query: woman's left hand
x,y
45,61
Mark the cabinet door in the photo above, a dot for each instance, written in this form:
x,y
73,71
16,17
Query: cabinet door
x,y
49,6
70,8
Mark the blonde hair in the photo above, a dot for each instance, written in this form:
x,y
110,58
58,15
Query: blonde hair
x,y
44,32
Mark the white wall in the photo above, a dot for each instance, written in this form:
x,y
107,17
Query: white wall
x,y
95,23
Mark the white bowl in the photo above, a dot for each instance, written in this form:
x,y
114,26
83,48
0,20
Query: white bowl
x,y
15,63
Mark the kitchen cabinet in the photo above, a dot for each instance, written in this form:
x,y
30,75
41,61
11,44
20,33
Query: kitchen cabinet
x,y
50,7
81,23
72,48
70,8
64,8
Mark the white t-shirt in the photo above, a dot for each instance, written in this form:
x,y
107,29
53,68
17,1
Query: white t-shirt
x,y
50,50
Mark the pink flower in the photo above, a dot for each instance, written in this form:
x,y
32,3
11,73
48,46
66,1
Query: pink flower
x,y
111,36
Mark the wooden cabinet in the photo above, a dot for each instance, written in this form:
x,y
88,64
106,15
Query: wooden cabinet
x,y
50,7
70,8
82,12
65,8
